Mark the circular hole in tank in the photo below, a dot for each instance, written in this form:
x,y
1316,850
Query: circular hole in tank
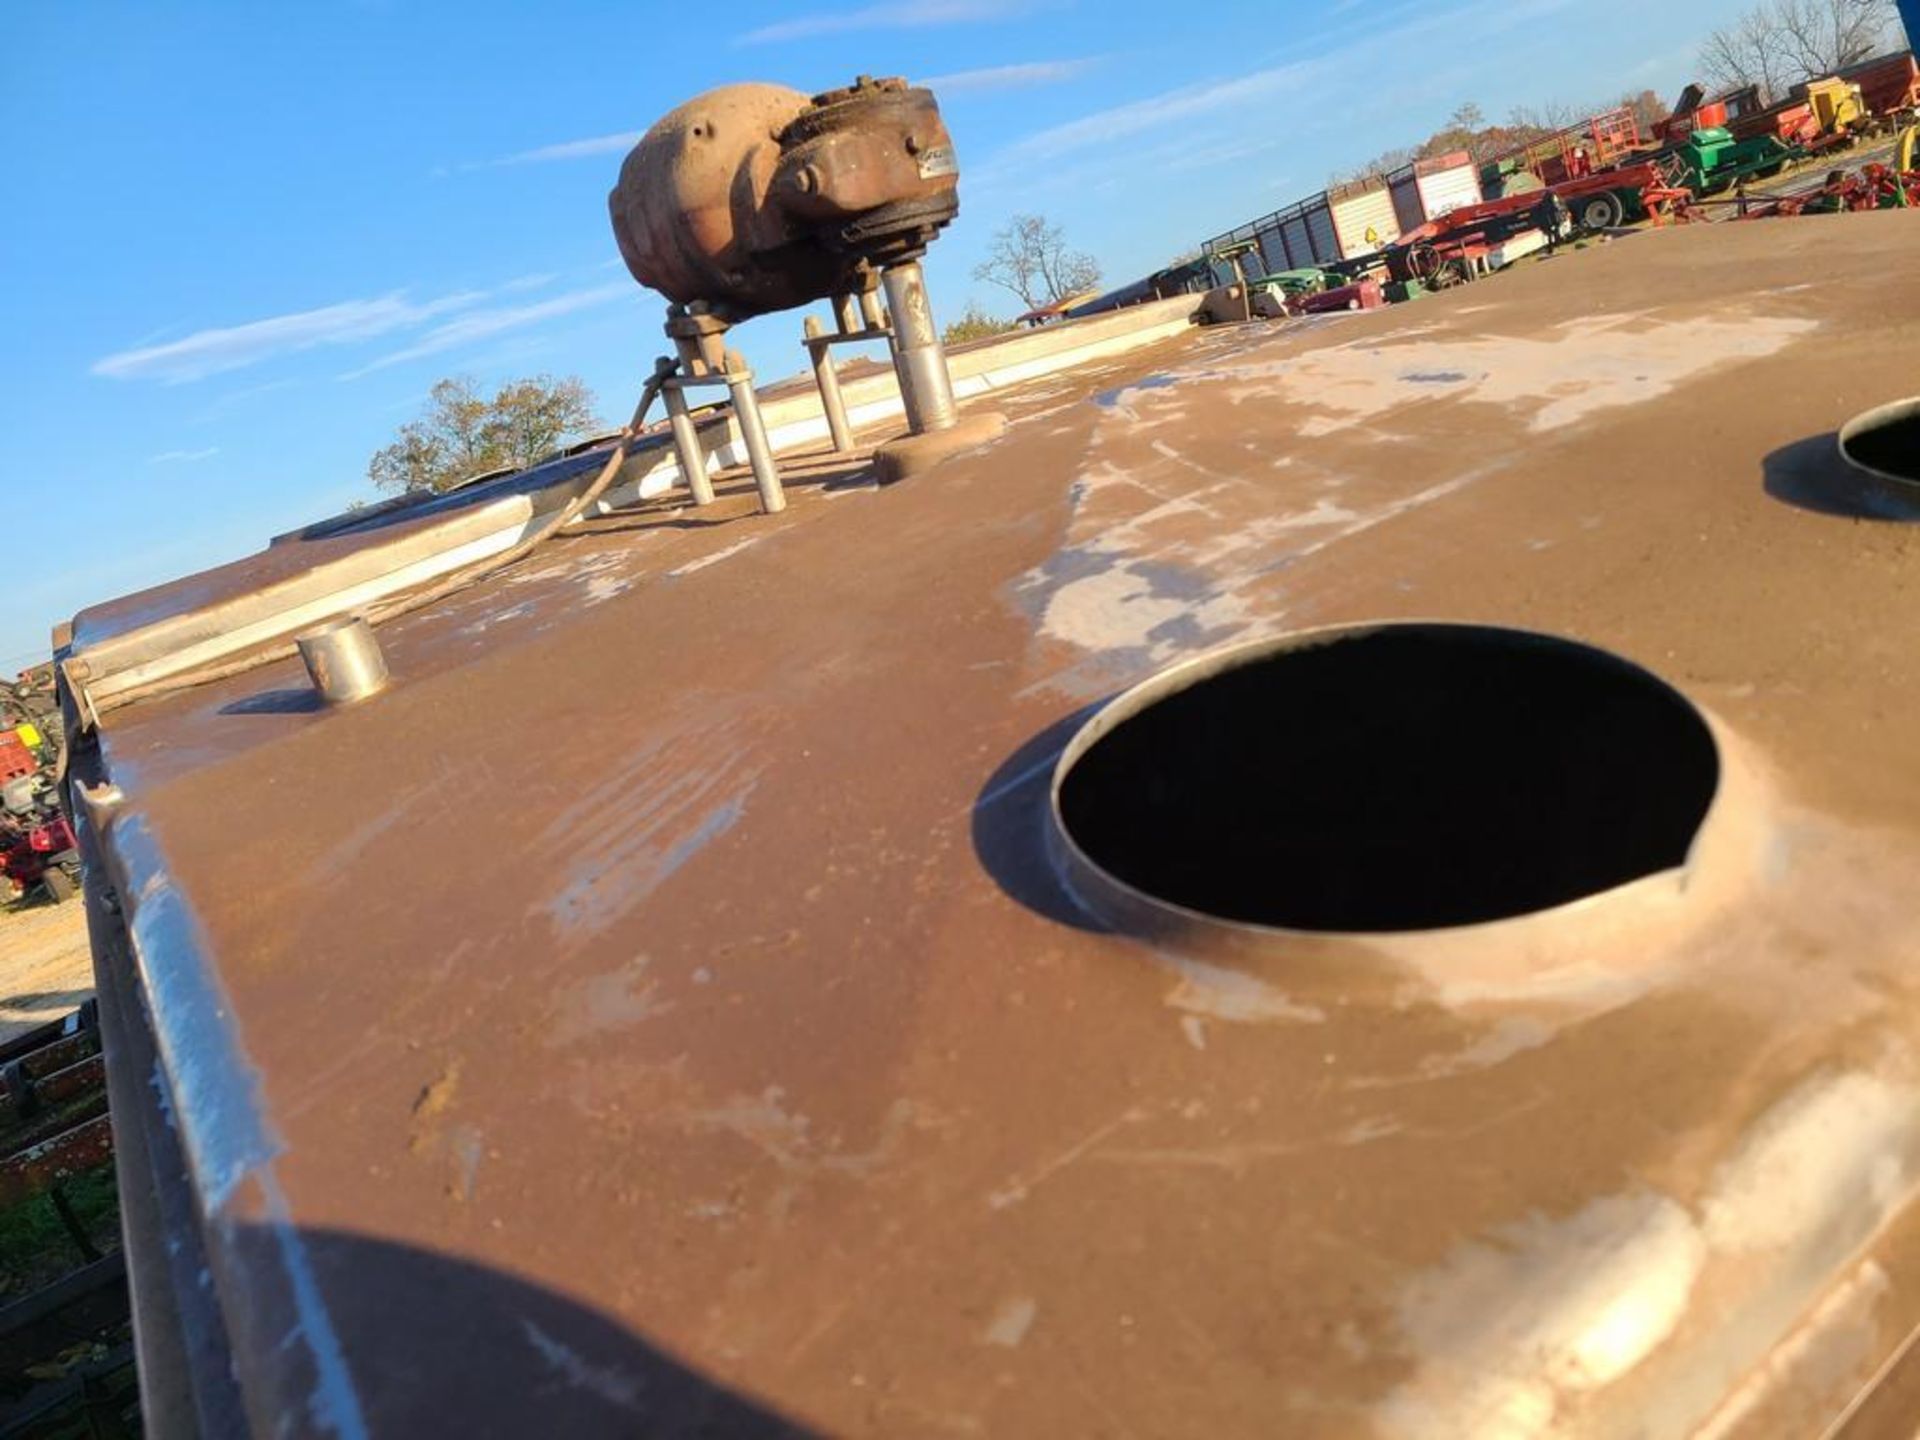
x,y
1396,777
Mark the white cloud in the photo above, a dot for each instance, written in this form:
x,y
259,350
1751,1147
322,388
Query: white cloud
x,y
1259,91
899,15
529,282
209,352
1009,77
170,457
1167,109
567,150
482,324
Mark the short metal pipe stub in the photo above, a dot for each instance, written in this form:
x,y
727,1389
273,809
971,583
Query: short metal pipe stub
x,y
343,660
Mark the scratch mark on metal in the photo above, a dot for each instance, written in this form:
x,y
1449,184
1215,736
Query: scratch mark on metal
x,y
1021,1186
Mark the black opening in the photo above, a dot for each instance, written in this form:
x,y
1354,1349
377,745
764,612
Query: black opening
x,y
1892,446
1403,778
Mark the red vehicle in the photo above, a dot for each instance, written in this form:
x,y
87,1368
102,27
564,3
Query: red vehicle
x,y
46,855
1362,294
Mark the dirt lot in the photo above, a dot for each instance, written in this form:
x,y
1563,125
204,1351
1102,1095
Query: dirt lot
x,y
46,969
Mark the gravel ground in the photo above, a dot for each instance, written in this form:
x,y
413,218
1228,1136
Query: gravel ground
x,y
46,969
1812,172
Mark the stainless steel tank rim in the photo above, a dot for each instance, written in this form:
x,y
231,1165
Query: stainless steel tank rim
x,y
1868,422
1136,913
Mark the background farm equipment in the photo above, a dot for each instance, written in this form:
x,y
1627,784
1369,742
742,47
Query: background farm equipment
x,y
1713,160
1889,88
37,845
18,759
1606,170
1308,280
1281,292
29,701
1465,243
1789,124
1619,196
1871,187
39,850
1599,142
1839,107
1365,294
1691,112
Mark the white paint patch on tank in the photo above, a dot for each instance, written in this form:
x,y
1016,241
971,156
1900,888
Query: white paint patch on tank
x,y
1118,609
724,553
1011,1321
1220,993
612,1001
497,617
1591,365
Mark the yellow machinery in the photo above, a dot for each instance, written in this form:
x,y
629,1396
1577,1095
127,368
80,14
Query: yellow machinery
x,y
1837,105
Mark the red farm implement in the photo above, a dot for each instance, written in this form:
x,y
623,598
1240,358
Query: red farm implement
x,y
1614,197
1462,244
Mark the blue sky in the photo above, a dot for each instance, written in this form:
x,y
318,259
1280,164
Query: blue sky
x,y
243,240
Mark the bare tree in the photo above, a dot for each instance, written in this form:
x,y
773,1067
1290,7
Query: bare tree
x,y
1821,36
464,433
1744,53
1780,42
1029,256
1553,116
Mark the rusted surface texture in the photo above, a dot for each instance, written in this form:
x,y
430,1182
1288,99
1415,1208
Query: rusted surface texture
x,y
658,1003
754,198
